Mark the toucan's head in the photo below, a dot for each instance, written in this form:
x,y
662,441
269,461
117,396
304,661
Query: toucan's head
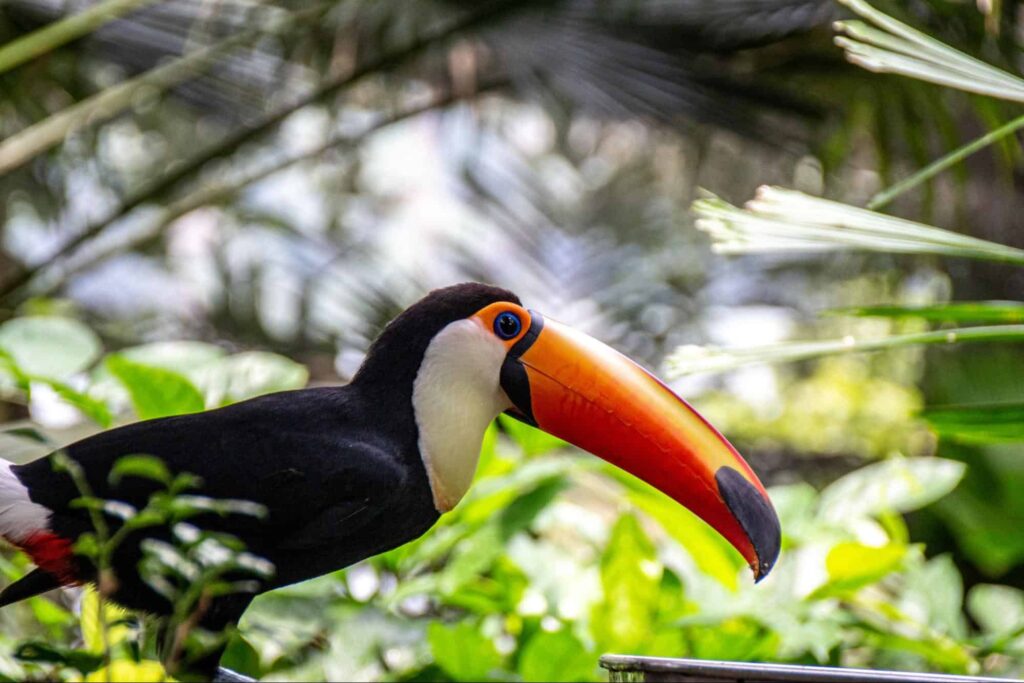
x,y
471,351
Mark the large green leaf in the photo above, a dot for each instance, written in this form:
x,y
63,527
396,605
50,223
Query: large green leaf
x,y
896,485
49,346
463,651
249,374
155,392
558,656
999,610
992,423
531,440
95,409
852,566
183,356
734,639
631,579
711,553
933,593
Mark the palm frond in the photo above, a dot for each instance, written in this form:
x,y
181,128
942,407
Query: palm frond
x,y
886,45
778,219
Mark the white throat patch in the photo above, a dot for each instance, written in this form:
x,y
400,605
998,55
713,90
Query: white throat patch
x,y
456,394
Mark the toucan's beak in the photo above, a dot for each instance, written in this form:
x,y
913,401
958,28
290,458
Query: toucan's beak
x,y
576,388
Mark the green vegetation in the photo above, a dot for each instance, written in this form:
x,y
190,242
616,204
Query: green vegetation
x,y
552,559
892,428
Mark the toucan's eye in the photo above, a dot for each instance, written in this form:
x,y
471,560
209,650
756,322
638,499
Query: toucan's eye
x,y
507,325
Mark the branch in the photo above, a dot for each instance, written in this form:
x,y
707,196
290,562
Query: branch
x,y
939,165
187,169
223,191
61,32
37,138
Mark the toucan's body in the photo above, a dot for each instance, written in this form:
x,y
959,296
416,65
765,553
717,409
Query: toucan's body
x,y
348,472
340,484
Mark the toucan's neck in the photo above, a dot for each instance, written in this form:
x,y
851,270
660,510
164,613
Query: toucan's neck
x,y
456,395
448,392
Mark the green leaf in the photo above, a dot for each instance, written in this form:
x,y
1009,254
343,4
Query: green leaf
x,y
952,312
531,440
473,556
521,512
463,651
91,626
94,409
896,485
146,466
631,579
155,392
710,552
933,594
49,346
737,639
126,670
184,357
558,656
250,374
853,565
940,652
999,610
242,657
983,423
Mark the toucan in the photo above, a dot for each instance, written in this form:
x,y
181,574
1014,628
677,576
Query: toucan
x,y
351,471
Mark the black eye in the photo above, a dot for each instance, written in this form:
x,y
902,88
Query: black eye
x,y
507,325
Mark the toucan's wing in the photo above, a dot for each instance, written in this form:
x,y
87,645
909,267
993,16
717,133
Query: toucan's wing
x,y
268,450
365,517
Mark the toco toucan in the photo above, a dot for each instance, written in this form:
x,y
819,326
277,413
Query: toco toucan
x,y
348,472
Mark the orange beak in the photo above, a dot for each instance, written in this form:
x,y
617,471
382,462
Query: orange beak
x,y
578,389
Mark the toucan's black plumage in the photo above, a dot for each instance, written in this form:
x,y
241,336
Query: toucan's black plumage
x,y
337,468
349,472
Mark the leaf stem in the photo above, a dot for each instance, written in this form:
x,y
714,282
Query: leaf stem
x,y
61,32
693,360
939,165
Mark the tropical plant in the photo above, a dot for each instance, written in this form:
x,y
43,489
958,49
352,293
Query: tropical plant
x,y
552,559
779,220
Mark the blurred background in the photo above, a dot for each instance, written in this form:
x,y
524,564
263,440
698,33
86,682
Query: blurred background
x,y
213,187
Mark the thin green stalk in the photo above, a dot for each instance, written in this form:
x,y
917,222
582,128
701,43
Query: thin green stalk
x,y
61,32
104,550
691,361
190,167
220,192
939,165
27,144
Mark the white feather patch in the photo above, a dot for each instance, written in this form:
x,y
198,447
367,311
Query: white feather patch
x,y
457,393
19,516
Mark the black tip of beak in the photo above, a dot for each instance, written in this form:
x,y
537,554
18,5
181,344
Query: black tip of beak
x,y
755,514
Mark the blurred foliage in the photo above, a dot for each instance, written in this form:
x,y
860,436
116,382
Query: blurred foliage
x,y
336,160
552,558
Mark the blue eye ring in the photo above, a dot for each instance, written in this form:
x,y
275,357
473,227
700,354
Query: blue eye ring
x,y
507,325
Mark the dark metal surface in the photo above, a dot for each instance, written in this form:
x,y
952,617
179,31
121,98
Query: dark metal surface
x,y
656,669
